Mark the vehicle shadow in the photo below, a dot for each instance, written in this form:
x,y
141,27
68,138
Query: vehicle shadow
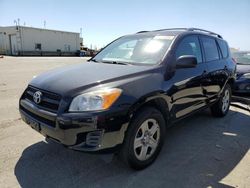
x,y
199,152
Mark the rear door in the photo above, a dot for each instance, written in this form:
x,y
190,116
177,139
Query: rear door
x,y
186,85
217,68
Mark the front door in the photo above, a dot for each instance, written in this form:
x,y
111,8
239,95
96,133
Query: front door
x,y
186,90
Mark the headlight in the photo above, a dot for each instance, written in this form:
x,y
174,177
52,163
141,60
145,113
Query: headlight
x,y
245,76
96,100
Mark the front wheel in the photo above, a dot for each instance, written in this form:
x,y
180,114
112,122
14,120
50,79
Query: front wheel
x,y
221,107
144,139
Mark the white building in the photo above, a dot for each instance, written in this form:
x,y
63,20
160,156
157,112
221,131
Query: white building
x,y
21,40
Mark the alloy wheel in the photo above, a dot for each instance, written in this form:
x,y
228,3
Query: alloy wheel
x,y
146,139
225,100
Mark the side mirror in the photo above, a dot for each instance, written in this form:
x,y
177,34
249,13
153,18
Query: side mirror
x,y
186,61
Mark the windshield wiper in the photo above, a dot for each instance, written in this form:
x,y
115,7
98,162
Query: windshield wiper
x,y
116,62
120,63
110,62
94,60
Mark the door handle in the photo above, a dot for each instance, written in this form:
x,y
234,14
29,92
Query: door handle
x,y
204,72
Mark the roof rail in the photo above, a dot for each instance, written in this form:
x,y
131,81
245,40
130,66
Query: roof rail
x,y
205,31
185,29
172,29
141,32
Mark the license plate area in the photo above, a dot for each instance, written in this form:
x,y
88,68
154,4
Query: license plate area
x,y
34,124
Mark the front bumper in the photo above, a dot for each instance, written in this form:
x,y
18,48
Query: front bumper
x,y
78,131
242,87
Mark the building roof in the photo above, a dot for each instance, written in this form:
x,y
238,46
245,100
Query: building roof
x,y
26,27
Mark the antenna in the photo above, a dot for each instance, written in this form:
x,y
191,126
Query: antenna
x,y
44,24
81,32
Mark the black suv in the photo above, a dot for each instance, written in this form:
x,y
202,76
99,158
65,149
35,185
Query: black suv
x,y
126,96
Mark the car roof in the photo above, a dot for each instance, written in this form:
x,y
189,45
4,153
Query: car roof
x,y
177,31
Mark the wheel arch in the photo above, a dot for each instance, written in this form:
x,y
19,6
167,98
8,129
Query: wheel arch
x,y
231,82
159,102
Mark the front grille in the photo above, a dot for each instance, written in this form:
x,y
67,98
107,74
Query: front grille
x,y
50,101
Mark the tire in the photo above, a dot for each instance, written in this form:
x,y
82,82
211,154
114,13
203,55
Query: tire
x,y
144,139
221,107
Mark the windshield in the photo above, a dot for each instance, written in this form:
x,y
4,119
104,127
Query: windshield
x,y
136,49
242,57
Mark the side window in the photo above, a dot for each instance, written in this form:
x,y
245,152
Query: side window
x,y
189,46
210,48
224,48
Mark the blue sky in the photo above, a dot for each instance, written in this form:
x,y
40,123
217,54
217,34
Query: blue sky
x,y
103,21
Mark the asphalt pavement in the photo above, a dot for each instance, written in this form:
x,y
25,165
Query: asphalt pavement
x,y
200,151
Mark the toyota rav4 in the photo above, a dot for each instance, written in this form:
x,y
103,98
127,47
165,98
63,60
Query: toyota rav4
x,y
125,97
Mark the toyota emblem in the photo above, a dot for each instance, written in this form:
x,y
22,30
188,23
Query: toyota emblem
x,y
37,97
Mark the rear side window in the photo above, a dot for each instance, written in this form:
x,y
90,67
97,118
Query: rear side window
x,y
210,48
189,46
224,48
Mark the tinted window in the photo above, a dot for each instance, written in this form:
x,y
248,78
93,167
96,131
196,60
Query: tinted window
x,y
224,48
210,48
189,46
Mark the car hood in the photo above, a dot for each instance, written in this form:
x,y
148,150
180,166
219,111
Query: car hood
x,y
84,75
242,69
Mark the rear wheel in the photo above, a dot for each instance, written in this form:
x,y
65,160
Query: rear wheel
x,y
144,139
221,107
